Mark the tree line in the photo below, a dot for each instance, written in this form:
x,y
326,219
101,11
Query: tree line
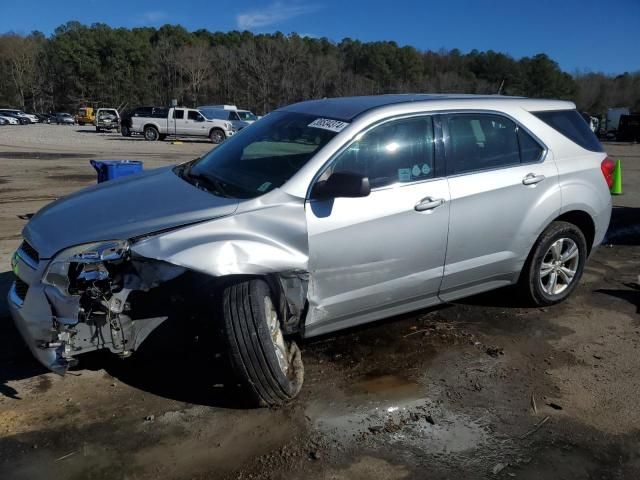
x,y
102,66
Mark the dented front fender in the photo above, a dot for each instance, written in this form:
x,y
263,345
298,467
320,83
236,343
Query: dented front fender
x,y
266,235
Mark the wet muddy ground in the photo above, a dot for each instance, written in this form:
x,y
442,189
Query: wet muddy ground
x,y
481,388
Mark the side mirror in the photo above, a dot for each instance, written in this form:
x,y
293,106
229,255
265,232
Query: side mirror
x,y
342,184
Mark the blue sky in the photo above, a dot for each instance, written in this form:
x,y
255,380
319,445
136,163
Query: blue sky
x,y
593,35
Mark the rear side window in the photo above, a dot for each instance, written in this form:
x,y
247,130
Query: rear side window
x,y
530,150
178,114
481,141
570,124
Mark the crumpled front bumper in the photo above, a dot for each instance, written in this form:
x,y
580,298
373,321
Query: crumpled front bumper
x,y
34,318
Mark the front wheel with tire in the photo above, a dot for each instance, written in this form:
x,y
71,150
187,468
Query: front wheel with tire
x,y
555,265
217,136
124,130
151,134
268,365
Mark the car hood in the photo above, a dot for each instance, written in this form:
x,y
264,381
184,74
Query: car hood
x,y
149,202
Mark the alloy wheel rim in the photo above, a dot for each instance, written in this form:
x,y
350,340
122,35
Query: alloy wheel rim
x,y
559,266
275,333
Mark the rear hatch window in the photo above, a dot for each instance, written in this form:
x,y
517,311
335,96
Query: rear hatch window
x,y
571,124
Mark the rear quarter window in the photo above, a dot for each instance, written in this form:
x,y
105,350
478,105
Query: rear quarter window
x,y
571,124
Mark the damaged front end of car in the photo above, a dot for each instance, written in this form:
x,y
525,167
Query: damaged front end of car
x,y
113,294
90,291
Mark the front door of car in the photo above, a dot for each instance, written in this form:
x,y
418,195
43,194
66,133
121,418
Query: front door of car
x,y
504,190
382,254
196,124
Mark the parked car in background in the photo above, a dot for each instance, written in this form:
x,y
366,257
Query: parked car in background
x,y
43,117
182,122
125,118
62,118
324,215
613,119
629,128
220,114
85,115
107,119
21,120
20,114
238,115
11,120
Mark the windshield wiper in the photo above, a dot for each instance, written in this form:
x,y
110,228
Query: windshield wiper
x,y
209,182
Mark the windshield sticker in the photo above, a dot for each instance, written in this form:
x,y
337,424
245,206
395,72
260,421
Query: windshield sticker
x,y
264,187
426,169
404,174
328,124
416,171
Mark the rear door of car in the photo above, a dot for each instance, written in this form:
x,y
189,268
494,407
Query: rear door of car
x,y
381,254
179,125
504,188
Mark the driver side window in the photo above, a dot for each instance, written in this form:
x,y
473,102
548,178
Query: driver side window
x,y
400,151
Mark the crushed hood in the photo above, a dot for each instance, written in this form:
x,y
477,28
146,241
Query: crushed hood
x,y
120,209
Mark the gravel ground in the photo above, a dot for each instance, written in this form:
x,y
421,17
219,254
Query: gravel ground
x,y
72,137
481,388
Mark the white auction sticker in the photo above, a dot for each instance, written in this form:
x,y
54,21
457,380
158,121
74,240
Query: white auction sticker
x,y
328,124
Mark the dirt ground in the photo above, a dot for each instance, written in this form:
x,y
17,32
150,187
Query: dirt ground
x,y
475,389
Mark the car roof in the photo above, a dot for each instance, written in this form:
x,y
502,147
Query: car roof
x,y
347,108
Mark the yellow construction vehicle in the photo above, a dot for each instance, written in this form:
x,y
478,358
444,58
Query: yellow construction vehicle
x,y
85,115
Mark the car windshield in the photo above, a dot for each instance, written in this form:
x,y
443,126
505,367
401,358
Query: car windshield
x,y
246,116
259,159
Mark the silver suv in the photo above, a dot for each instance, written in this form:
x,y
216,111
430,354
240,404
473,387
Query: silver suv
x,y
324,215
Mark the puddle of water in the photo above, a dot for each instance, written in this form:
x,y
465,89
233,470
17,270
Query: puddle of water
x,y
394,410
405,423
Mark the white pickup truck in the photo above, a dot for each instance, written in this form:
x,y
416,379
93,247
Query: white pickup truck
x,y
181,122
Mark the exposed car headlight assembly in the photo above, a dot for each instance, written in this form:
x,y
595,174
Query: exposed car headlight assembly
x,y
84,264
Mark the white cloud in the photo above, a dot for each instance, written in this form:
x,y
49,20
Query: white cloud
x,y
154,16
275,13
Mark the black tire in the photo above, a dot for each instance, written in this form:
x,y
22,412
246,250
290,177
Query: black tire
x,y
533,284
124,130
217,135
151,134
251,349
97,129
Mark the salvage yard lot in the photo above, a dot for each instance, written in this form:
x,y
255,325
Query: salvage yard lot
x,y
479,388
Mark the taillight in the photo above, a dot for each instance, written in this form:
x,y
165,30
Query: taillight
x,y
608,166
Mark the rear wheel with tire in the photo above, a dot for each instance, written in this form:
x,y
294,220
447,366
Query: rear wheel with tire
x,y
124,130
217,136
555,265
151,134
268,365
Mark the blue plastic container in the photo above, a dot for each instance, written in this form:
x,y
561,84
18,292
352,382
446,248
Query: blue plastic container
x,y
110,169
